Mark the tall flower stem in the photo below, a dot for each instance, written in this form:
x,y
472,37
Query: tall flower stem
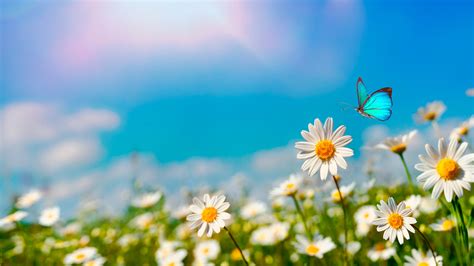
x,y
410,179
427,242
461,226
237,245
303,217
344,219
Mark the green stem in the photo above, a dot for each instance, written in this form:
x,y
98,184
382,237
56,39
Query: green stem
x,y
303,217
427,243
410,180
237,246
461,226
344,219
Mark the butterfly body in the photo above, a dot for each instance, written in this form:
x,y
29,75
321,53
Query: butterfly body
x,y
377,105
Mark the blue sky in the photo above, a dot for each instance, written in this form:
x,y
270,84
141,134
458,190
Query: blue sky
x,y
227,80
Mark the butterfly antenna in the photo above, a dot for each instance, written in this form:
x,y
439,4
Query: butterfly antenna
x,y
346,106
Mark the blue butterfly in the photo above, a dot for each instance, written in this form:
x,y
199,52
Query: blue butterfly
x,y
377,105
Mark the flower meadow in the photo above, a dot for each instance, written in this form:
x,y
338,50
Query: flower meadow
x,y
312,217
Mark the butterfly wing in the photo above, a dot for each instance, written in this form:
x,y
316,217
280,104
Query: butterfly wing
x,y
379,104
361,92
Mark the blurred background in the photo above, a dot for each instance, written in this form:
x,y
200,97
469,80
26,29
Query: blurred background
x,y
96,95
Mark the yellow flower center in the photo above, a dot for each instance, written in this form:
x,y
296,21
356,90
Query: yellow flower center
x,y
209,214
366,215
80,256
395,220
463,131
171,264
312,249
290,186
336,196
235,255
205,251
399,148
423,264
379,247
447,225
447,169
325,149
430,116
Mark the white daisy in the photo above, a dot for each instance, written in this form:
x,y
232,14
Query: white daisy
x,y
270,235
418,259
288,187
71,229
316,247
447,170
80,255
353,247
166,249
207,250
323,149
10,219
444,224
174,259
28,199
413,202
147,200
345,191
463,130
381,251
253,209
364,217
49,216
429,205
431,112
209,214
394,220
143,221
99,261
396,144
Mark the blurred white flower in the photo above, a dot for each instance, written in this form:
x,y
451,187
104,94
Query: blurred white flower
x,y
323,149
207,250
364,217
447,170
396,144
127,240
444,224
95,262
253,209
80,255
429,205
353,247
181,212
28,199
394,220
431,112
381,251
175,258
9,220
147,200
49,216
288,187
166,249
417,258
463,130
413,202
316,247
209,214
270,235
143,221
345,191
71,229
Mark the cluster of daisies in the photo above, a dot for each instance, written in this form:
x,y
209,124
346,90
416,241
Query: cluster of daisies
x,y
315,217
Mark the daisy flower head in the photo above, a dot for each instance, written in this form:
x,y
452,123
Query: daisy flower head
x,y
80,255
316,247
397,144
463,130
431,112
413,202
147,200
447,170
394,220
143,221
209,214
12,218
207,250
345,191
253,209
419,259
99,261
444,224
287,188
174,259
49,216
28,199
323,150
381,251
364,217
